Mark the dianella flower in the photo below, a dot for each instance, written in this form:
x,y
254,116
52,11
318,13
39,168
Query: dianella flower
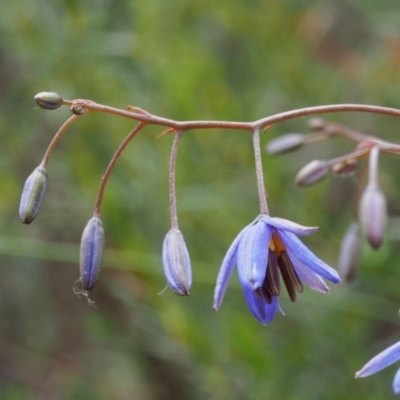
x,y
381,361
91,252
176,262
32,195
265,250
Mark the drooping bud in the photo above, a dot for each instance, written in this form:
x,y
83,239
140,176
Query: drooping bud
x,y
176,262
48,100
91,252
286,143
32,195
350,253
345,168
312,172
373,215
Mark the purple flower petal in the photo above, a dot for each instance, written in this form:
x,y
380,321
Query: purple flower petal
x,y
253,255
381,361
284,224
226,270
313,280
297,249
261,310
396,383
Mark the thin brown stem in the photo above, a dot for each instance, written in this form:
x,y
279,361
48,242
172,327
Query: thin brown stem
x,y
57,138
262,195
302,112
172,186
111,166
249,126
373,166
333,128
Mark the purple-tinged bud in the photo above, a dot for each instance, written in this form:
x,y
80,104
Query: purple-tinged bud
x,y
316,124
345,168
286,143
373,215
48,100
91,252
350,253
176,262
311,173
32,195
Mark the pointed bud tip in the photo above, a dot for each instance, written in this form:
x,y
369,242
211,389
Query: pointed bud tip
x,y
91,253
32,195
49,100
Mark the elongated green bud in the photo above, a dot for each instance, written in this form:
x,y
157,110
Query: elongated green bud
x,y
286,143
373,215
48,100
312,173
176,263
91,252
350,253
32,195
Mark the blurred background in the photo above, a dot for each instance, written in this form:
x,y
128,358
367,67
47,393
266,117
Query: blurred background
x,y
238,60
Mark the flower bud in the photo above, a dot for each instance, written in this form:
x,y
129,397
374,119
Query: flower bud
x,y
345,168
32,195
373,215
350,253
78,108
316,124
176,263
48,100
311,173
285,143
91,252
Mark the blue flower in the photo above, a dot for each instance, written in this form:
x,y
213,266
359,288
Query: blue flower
x,y
262,251
381,361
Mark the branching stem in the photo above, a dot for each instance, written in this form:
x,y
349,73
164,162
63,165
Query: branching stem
x,y
249,126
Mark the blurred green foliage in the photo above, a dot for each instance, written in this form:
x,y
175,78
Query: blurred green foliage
x,y
229,60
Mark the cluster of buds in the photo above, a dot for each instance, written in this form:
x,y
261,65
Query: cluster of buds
x,y
371,218
175,256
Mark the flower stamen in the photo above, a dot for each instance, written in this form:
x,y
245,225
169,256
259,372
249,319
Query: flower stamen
x,y
278,260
